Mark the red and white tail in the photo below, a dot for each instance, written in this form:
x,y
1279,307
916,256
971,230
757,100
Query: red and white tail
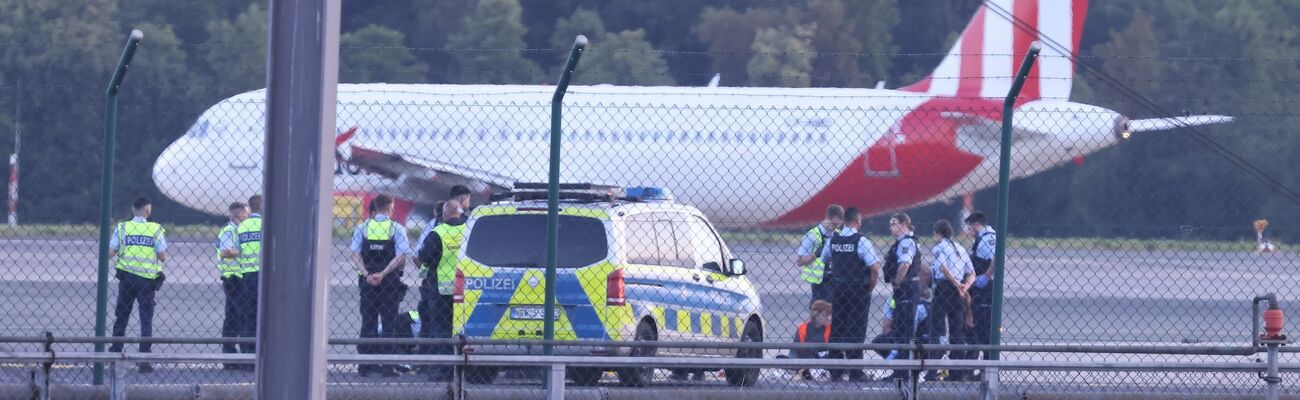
x,y
984,59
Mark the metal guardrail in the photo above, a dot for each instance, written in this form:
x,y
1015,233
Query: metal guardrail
x,y
557,364
1241,350
659,362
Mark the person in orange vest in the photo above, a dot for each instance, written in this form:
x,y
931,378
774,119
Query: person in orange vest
x,y
817,329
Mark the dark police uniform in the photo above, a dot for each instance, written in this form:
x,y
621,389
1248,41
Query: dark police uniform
x,y
908,294
249,236
438,256
981,257
232,273
380,241
852,260
139,275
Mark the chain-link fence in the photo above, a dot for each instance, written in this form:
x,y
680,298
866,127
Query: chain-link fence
x,y
747,171
705,219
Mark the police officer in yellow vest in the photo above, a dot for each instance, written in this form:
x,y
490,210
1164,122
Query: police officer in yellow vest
x,y
140,248
231,272
249,236
438,256
811,266
379,251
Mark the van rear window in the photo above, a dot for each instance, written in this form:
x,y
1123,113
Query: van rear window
x,y
520,241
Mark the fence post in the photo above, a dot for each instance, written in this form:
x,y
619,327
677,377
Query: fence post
x,y
553,195
302,81
106,191
1004,193
555,383
117,385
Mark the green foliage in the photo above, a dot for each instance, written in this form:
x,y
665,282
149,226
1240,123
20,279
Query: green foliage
x,y
236,51
581,22
68,42
376,54
625,58
782,56
496,29
60,53
728,35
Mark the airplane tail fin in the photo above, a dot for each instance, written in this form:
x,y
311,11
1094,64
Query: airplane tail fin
x,y
983,60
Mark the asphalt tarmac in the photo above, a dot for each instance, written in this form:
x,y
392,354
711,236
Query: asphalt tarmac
x,y
1133,297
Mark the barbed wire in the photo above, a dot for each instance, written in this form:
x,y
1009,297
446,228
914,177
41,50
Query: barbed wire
x,y
595,48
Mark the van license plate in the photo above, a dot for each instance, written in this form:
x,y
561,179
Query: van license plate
x,y
531,313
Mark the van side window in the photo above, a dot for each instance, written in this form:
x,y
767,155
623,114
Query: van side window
x,y
682,252
708,249
641,246
674,244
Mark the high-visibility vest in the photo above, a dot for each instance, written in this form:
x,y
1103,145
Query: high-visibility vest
x,y
249,235
378,247
803,333
451,237
814,271
137,252
228,267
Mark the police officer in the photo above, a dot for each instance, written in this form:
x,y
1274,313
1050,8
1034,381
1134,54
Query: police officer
x,y
812,268
981,256
438,256
231,272
855,267
379,251
898,271
249,234
952,277
141,248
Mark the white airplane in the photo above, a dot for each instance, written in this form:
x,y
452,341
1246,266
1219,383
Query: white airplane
x,y
745,156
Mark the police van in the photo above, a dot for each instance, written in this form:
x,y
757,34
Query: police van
x,y
632,266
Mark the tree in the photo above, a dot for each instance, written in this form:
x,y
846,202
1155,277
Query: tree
x,y
782,56
729,35
581,22
58,49
236,51
625,58
872,23
489,46
435,21
836,42
376,54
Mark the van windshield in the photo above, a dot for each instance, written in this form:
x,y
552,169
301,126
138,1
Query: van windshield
x,y
520,241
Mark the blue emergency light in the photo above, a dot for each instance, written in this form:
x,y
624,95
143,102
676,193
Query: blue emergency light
x,y
648,193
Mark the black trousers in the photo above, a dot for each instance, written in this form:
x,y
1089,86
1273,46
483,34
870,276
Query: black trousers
x,y
982,304
435,317
906,297
247,310
949,319
133,289
820,291
230,321
379,303
850,312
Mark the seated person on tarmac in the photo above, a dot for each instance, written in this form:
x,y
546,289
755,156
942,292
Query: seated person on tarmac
x,y
817,329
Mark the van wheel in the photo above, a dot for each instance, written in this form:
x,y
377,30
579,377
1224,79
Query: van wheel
x,y
481,375
747,376
585,376
638,377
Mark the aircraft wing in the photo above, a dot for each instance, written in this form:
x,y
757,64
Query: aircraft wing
x,y
986,129
1159,124
426,181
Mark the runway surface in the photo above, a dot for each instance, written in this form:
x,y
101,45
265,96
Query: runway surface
x,y
1052,296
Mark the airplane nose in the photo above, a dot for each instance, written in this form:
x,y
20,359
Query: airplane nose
x,y
165,168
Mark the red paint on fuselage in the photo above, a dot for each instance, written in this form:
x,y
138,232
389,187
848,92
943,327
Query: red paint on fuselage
x,y
929,162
